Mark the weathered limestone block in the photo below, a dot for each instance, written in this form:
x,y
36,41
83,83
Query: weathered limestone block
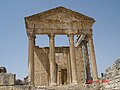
x,y
41,67
7,79
17,87
79,65
22,87
6,87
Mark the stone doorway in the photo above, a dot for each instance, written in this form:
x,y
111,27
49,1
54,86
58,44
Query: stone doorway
x,y
64,76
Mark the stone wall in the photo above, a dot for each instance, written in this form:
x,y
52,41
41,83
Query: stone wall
x,y
112,74
7,82
41,67
16,87
7,79
79,65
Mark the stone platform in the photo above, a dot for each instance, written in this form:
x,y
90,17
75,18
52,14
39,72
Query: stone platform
x,y
16,87
27,87
71,87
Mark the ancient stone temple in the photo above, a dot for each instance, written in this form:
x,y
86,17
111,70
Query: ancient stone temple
x,y
51,66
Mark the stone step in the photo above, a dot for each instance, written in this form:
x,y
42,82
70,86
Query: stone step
x,y
40,88
77,87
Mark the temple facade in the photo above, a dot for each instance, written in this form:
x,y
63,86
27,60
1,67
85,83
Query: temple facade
x,y
66,65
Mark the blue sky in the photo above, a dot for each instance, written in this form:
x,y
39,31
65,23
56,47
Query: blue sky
x,y
13,38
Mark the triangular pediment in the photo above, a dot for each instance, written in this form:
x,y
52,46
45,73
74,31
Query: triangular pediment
x,y
59,20
60,14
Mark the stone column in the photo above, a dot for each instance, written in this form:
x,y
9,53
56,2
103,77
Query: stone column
x,y
53,78
73,59
31,44
87,61
92,55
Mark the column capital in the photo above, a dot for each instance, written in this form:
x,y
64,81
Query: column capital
x,y
51,35
70,35
91,31
31,35
89,36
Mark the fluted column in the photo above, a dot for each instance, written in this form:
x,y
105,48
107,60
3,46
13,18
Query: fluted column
x,y
92,55
87,61
73,59
31,43
53,78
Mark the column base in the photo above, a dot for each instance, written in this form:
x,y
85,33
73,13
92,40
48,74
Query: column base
x,y
53,84
74,83
31,84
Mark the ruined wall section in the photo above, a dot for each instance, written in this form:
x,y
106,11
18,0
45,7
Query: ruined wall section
x,y
8,82
79,65
41,67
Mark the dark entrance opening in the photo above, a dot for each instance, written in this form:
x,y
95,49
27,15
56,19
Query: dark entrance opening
x,y
64,76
